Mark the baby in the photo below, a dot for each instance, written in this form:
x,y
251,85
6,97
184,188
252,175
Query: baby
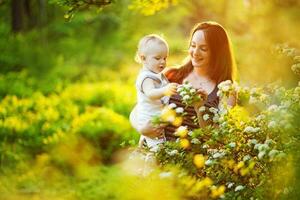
x,y
151,84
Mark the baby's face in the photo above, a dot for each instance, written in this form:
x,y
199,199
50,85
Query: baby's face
x,y
156,56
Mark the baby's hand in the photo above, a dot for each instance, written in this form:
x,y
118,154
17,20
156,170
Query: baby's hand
x,y
170,89
203,94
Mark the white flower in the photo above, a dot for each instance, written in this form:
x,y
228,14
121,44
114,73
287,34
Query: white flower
x,y
186,97
272,124
261,154
182,128
273,108
195,141
216,118
260,117
205,146
190,133
250,129
221,119
224,84
208,162
269,141
252,141
165,175
213,110
263,97
253,100
263,147
297,58
239,188
253,91
173,152
182,93
179,110
255,130
257,146
193,90
232,144
202,108
172,105
205,117
246,157
179,88
218,155
225,88
188,85
230,184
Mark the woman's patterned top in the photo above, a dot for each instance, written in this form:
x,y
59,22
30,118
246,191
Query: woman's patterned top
x,y
190,119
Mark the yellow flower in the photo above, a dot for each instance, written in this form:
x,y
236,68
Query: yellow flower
x,y
168,115
207,181
217,191
184,143
199,160
244,171
231,164
238,166
182,131
251,165
177,122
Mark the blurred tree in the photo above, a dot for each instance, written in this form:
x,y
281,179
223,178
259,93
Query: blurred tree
x,y
75,5
150,7
27,14
17,7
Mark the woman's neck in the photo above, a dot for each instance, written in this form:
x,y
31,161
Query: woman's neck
x,y
201,71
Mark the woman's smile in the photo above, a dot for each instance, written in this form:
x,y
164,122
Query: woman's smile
x,y
199,51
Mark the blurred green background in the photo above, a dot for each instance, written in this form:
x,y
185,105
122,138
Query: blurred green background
x,y
67,75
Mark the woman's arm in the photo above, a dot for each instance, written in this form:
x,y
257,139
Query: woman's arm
x,y
232,99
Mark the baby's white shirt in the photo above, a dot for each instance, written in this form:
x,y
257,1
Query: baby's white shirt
x,y
146,107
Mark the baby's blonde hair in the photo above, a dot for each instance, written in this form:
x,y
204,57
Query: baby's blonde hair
x,y
142,46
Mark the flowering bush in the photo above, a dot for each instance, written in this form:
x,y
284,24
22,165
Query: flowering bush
x,y
188,93
29,126
252,143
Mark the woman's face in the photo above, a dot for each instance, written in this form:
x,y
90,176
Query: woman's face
x,y
199,51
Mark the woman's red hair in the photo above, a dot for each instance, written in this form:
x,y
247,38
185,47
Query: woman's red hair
x,y
222,63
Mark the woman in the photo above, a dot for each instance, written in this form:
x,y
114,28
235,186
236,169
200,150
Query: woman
x,y
210,62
